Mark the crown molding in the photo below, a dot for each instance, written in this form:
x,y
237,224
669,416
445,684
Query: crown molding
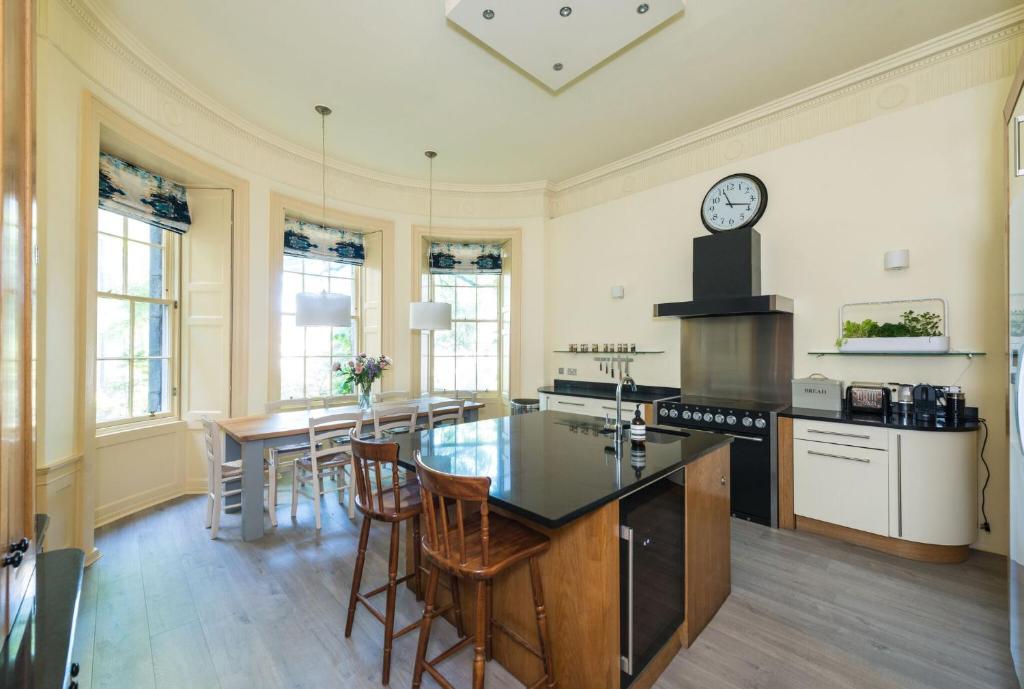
x,y
136,77
977,53
999,27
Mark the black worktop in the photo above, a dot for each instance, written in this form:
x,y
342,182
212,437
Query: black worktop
x,y
552,467
606,391
906,422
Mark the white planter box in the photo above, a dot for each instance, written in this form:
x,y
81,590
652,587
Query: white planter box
x,y
895,344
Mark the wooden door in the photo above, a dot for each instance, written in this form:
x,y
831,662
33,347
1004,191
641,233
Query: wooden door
x,y
17,300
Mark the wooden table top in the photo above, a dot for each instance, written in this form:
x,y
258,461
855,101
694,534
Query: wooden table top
x,y
286,423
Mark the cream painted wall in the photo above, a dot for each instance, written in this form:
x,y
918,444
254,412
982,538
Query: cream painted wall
x,y
927,178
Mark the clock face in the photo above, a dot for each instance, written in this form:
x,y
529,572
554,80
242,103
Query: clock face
x,y
734,202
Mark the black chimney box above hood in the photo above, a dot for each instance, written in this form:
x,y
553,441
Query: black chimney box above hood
x,y
727,279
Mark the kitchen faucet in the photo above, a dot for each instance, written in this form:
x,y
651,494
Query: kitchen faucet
x,y
627,380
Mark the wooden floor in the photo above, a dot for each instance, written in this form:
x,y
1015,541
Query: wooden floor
x,y
167,607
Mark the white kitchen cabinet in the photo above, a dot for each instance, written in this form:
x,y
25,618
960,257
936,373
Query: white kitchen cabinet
x,y
933,478
918,486
589,406
842,485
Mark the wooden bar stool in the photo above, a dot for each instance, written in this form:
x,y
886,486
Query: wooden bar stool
x,y
476,547
380,496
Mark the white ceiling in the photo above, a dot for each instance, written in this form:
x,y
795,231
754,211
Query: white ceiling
x,y
401,78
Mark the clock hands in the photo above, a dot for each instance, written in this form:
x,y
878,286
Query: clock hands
x,y
729,203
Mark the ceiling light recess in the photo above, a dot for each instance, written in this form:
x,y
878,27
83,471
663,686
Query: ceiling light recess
x,y
579,37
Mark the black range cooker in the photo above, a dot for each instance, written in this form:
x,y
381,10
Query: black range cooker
x,y
754,460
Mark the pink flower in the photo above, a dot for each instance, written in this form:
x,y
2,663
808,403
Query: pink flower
x,y
336,367
359,368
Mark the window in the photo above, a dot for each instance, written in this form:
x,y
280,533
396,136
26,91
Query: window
x,y
136,320
467,357
307,354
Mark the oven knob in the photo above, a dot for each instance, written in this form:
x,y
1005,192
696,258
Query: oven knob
x,y
674,413
747,421
719,418
761,423
687,414
731,420
708,418
663,412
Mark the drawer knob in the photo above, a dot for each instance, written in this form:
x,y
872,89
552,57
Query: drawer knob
x,y
12,560
19,546
75,669
723,480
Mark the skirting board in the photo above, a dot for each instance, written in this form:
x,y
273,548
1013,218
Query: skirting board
x,y
923,552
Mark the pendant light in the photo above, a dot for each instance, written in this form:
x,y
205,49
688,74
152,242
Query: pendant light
x,y
430,315
323,309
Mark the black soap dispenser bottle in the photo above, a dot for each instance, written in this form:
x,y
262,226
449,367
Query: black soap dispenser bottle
x,y
637,428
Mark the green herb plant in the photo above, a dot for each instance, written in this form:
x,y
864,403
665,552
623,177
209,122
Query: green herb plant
x,y
911,324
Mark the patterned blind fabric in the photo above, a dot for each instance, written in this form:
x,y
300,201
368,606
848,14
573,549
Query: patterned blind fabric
x,y
139,194
451,257
309,240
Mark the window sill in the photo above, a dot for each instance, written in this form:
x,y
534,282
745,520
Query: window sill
x,y
115,435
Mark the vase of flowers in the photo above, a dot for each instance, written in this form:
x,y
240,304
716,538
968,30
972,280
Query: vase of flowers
x,y
361,372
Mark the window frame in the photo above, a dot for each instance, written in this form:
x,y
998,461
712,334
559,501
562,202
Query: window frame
x,y
172,250
357,320
499,288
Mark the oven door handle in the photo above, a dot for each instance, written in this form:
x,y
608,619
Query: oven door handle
x,y
744,437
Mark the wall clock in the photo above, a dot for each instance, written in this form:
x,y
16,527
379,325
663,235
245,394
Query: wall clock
x,y
734,202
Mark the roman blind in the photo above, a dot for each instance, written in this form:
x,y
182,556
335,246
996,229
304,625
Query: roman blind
x,y
452,257
142,195
309,240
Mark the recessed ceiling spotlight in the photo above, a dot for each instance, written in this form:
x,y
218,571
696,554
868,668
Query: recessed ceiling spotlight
x,y
642,8
565,11
489,14
557,67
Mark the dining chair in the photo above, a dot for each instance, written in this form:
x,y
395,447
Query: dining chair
x,y
468,395
397,418
475,546
329,455
381,496
219,472
293,451
445,411
338,401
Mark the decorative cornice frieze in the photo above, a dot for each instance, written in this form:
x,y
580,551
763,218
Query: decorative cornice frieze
x,y
972,55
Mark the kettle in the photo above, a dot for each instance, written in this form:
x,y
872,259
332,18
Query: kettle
x,y
926,401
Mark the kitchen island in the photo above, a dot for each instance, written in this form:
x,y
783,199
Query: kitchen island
x,y
639,558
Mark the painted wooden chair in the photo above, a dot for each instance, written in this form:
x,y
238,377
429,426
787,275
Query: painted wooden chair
x,y
447,411
330,456
219,472
394,419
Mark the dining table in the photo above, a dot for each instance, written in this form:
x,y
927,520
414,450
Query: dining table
x,y
249,437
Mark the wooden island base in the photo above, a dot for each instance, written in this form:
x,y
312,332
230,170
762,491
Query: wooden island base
x,y
580,575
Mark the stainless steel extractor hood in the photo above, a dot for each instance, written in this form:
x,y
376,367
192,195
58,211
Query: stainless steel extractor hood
x,y
726,306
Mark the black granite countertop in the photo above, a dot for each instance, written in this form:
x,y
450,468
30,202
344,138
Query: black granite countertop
x,y
897,421
606,391
552,467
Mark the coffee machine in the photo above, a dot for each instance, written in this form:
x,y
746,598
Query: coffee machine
x,y
927,401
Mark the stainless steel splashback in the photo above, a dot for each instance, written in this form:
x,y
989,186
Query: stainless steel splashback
x,y
738,357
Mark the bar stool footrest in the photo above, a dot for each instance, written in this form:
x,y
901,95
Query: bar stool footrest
x,y
500,626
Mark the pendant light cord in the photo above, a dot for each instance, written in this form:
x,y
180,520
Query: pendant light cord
x,y
323,169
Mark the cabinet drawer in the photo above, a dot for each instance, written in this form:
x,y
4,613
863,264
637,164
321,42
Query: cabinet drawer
x,y
841,434
572,405
842,485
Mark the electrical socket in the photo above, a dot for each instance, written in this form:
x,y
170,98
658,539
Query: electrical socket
x,y
570,371
561,370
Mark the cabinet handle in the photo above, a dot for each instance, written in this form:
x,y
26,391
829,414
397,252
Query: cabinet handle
x,y
899,485
843,435
626,661
826,454
570,404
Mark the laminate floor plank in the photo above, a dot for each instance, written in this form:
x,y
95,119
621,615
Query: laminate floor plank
x,y
167,607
